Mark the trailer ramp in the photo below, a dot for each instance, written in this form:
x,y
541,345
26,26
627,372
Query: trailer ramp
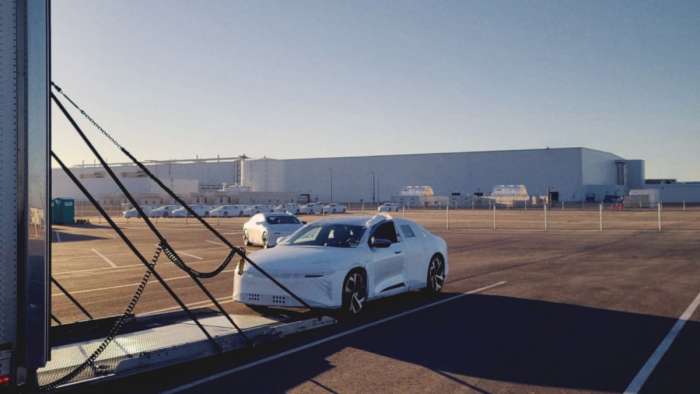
x,y
166,345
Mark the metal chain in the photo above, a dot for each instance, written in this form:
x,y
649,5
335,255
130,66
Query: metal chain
x,y
88,117
116,328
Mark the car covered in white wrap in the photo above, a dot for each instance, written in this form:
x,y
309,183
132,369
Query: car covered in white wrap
x,y
199,209
341,263
263,229
162,211
227,211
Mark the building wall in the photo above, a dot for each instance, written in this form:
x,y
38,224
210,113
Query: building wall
x,y
571,172
351,178
677,193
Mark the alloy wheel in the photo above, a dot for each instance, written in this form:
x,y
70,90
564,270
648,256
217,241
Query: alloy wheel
x,y
354,293
436,275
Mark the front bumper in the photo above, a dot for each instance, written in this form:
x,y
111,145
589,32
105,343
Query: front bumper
x,y
253,288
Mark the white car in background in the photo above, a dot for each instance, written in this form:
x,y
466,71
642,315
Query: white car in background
x,y
342,263
263,229
133,213
227,211
389,207
288,207
162,211
199,209
312,208
334,208
251,210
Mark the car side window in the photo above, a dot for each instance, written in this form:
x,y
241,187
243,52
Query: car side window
x,y
385,231
407,231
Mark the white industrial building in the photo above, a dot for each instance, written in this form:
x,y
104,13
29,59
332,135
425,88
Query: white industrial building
x,y
563,174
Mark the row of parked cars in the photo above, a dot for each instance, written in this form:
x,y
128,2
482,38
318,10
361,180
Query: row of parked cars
x,y
236,210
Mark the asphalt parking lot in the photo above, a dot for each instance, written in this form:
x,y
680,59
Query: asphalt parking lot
x,y
568,310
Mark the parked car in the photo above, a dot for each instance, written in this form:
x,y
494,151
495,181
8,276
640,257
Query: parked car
x,y
226,211
334,208
389,207
312,208
133,213
199,209
341,263
288,207
251,210
162,211
263,229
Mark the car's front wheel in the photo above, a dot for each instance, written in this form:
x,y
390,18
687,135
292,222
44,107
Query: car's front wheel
x,y
436,275
354,293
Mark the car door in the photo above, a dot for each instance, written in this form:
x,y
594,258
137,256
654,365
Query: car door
x,y
387,263
415,258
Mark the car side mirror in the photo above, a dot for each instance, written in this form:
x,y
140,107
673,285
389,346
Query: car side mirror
x,y
380,243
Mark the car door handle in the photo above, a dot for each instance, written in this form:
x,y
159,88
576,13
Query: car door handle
x,y
397,252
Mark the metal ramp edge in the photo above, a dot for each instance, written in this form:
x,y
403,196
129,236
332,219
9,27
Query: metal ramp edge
x,y
158,347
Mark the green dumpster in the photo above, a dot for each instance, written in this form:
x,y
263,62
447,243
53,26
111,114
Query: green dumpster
x,y
62,211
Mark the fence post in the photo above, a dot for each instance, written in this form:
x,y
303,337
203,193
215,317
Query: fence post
x,y
562,205
525,205
363,207
683,205
545,218
659,215
494,217
447,216
600,217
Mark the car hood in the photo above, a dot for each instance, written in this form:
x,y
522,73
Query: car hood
x,y
304,259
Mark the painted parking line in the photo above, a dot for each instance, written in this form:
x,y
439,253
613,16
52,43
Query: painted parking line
x,y
105,258
638,382
327,339
127,285
203,303
120,268
190,255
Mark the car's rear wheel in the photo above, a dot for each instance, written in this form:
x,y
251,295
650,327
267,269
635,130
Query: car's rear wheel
x,y
354,293
436,275
264,240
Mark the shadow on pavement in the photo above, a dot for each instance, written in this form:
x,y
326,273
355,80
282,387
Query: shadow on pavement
x,y
494,337
499,338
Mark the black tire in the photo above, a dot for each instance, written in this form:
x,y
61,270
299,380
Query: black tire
x,y
435,278
246,241
354,294
264,241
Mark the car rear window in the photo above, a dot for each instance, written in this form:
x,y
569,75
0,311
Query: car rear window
x,y
282,220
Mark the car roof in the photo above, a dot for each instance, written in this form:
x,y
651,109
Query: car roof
x,y
366,221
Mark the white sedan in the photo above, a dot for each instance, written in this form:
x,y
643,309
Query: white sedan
x,y
162,211
133,213
342,263
312,208
227,211
334,208
199,209
251,210
263,229
389,207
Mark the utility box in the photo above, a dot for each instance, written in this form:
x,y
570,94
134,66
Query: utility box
x,y
63,211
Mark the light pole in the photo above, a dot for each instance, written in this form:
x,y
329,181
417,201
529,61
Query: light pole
x,y
330,177
374,187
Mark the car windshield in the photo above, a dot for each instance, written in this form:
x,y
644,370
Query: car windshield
x,y
335,235
283,219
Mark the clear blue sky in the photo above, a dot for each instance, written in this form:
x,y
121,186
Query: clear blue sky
x,y
285,79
